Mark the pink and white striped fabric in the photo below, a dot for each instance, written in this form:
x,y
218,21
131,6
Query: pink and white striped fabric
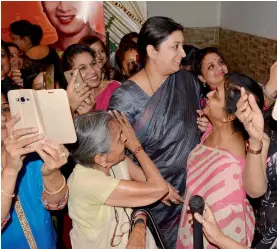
x,y
216,175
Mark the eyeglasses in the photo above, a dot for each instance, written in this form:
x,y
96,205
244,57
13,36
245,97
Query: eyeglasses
x,y
5,109
124,228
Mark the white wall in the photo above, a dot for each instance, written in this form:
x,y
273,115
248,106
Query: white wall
x,y
189,14
256,18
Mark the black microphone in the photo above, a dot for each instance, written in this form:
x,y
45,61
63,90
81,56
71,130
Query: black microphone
x,y
197,204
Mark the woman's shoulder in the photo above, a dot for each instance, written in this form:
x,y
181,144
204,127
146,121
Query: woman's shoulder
x,y
127,88
114,84
82,175
188,78
236,148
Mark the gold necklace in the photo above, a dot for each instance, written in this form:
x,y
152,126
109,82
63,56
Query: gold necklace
x,y
149,80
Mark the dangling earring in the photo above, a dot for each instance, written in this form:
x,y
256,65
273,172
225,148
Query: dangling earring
x,y
204,84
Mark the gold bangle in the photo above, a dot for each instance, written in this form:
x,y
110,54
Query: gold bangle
x,y
6,194
58,191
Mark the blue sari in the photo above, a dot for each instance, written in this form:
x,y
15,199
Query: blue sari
x,y
29,187
165,124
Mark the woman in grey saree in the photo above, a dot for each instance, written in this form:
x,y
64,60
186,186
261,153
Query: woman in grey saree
x,y
165,123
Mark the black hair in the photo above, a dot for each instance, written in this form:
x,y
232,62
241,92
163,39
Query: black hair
x,y
270,127
90,39
190,55
128,37
234,81
200,55
153,32
4,92
10,44
30,73
25,28
5,47
120,53
107,69
71,52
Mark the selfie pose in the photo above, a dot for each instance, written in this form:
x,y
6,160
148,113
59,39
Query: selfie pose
x,y
81,60
31,184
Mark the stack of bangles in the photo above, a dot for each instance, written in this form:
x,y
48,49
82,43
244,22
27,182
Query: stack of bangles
x,y
45,190
58,191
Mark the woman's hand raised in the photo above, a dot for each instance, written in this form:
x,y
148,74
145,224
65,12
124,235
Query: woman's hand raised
x,y
54,156
17,145
132,142
76,95
249,113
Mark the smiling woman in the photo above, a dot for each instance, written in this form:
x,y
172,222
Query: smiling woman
x,y
149,100
81,57
70,19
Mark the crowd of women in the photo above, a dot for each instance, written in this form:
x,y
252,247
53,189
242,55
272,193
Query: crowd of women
x,y
157,122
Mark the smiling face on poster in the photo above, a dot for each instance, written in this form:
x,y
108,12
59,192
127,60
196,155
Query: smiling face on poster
x,y
63,22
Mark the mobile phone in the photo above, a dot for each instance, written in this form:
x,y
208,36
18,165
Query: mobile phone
x,y
274,111
48,110
79,80
48,78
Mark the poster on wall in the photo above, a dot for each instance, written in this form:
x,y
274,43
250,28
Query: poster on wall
x,y
63,22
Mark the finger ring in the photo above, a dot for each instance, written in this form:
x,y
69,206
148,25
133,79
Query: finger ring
x,y
62,154
11,137
174,201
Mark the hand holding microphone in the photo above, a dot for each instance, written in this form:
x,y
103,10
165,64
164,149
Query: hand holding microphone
x,y
209,224
197,205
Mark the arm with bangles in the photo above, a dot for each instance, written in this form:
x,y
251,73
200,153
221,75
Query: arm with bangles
x,y
14,152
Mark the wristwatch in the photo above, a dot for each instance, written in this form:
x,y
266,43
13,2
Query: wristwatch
x,y
254,152
139,221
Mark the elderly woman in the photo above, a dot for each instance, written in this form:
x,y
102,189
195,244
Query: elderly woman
x,y
106,184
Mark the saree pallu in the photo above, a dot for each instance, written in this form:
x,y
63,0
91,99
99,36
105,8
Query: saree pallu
x,y
216,175
166,127
103,99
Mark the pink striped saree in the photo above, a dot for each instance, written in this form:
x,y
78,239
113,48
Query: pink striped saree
x,y
216,175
